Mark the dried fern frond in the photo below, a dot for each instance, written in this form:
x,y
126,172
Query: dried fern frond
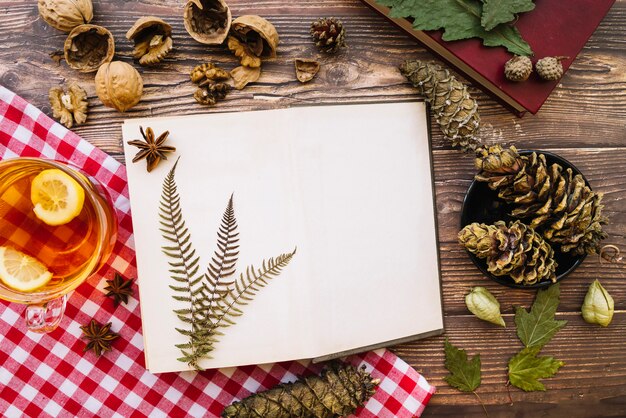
x,y
184,271
212,301
247,286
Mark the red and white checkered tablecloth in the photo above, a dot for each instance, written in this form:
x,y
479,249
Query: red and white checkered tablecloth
x,y
49,375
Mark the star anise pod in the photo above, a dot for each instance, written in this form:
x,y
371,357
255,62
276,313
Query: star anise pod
x,y
99,337
151,149
119,289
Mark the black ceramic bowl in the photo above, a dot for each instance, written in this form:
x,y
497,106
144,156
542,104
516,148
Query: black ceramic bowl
x,y
481,204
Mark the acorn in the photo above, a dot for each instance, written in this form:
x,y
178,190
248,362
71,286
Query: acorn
x,y
518,68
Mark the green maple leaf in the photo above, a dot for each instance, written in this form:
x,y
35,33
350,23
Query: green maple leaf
x,y
525,369
537,327
460,19
496,12
464,375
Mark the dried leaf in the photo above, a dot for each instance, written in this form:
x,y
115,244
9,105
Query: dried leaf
x,y
464,375
537,327
460,19
306,69
496,12
525,369
243,75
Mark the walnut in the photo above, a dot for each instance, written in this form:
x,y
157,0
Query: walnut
x,y
153,39
208,71
243,52
207,21
259,35
119,85
211,93
306,69
69,105
65,15
87,47
244,75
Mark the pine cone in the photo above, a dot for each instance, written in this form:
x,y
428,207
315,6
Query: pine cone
x,y
339,391
328,34
558,203
514,250
454,109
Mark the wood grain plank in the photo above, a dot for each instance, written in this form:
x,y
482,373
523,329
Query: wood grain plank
x,y
584,121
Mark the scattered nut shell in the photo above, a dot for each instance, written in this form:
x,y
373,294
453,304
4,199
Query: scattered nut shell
x,y
87,47
207,21
119,85
257,33
65,15
153,39
244,75
306,69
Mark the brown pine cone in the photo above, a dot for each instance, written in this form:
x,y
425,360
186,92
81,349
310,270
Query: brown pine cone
x,y
328,34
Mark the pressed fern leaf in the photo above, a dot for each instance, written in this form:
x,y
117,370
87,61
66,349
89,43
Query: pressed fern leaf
x,y
247,286
184,272
212,300
224,260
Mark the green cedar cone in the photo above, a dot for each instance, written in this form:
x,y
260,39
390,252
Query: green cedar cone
x,y
515,250
558,204
454,109
339,391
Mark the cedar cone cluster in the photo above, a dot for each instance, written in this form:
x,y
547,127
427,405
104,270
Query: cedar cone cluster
x,y
339,391
515,250
555,202
454,109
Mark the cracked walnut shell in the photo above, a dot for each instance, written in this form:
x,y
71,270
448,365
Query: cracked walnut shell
x,y
119,85
306,69
153,39
207,21
87,47
69,105
244,75
257,33
65,15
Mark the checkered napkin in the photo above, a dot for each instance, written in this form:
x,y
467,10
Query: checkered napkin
x,y
49,375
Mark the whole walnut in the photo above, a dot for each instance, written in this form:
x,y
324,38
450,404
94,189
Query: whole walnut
x,y
65,15
119,85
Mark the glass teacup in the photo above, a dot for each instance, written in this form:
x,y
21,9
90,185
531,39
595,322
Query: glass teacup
x,y
70,251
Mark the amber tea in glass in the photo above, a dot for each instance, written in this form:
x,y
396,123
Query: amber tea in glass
x,y
71,251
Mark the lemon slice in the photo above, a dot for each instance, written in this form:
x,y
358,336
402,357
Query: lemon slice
x,y
22,272
57,197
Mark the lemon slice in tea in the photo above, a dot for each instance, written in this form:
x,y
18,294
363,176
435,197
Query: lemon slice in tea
x,y
22,272
57,197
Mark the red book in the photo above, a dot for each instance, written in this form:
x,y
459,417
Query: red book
x,y
553,28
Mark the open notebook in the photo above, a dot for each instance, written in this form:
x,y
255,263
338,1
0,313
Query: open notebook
x,y
349,185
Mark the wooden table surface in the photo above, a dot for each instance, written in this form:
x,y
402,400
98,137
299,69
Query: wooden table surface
x,y
584,121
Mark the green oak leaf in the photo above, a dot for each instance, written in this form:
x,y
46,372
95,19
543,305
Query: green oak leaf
x,y
496,12
464,375
537,327
525,369
460,19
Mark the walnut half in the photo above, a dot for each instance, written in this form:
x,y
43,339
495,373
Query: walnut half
x,y
69,105
153,39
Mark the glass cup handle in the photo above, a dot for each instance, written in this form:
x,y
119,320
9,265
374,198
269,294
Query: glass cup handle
x,y
45,317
